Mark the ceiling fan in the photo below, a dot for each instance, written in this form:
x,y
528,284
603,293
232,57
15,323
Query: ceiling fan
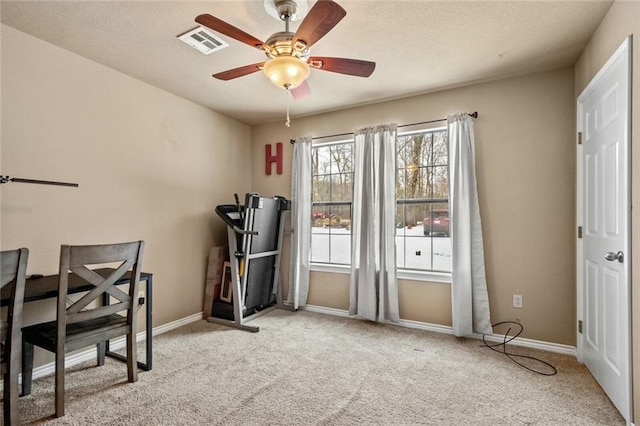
x,y
288,56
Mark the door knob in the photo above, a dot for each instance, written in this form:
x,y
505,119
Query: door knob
x,y
611,256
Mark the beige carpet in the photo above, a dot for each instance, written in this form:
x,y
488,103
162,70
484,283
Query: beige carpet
x,y
313,369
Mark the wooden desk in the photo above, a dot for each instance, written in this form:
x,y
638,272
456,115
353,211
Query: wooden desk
x,y
46,287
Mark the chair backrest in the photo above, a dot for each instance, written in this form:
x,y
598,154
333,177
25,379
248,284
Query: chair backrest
x,y
78,260
13,269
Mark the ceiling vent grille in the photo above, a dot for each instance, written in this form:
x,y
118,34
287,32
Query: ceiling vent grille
x,y
203,40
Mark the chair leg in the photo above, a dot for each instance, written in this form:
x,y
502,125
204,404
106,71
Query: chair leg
x,y
10,398
27,367
6,403
132,362
60,382
102,352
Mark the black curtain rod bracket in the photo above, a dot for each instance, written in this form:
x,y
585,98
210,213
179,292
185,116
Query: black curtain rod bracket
x,y
473,114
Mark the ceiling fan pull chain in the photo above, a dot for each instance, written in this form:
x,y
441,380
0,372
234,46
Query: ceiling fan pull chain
x,y
288,122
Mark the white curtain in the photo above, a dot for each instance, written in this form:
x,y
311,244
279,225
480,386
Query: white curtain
x,y
300,222
468,280
373,286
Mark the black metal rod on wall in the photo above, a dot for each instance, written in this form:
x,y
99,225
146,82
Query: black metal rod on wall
x,y
5,179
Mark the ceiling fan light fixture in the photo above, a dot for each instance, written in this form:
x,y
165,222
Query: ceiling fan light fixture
x,y
286,72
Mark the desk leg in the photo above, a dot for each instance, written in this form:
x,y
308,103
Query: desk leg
x,y
145,366
149,324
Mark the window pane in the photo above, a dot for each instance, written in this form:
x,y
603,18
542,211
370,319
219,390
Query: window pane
x,y
401,144
419,184
440,149
440,182
318,215
319,245
400,184
437,225
436,220
413,182
401,221
413,151
400,160
320,188
321,160
341,187
341,246
425,246
413,247
331,234
342,216
414,252
441,254
341,158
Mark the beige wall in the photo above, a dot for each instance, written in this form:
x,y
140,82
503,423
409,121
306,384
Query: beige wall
x,y
526,167
150,166
622,20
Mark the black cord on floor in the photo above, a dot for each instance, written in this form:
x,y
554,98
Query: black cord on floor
x,y
552,370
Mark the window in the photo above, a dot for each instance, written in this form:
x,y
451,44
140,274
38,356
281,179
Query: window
x,y
331,184
422,218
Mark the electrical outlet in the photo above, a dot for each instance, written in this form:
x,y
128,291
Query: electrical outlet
x,y
517,301
141,297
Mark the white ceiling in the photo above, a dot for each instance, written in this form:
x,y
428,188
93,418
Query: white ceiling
x,y
419,46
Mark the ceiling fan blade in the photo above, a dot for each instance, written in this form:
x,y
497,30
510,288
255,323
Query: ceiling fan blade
x,y
228,30
354,67
323,16
238,72
302,91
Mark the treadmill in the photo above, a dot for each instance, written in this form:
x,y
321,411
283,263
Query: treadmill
x,y
255,232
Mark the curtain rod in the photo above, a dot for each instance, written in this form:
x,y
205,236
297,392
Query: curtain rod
x,y
473,114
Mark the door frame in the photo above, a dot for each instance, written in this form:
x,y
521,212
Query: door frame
x,y
623,49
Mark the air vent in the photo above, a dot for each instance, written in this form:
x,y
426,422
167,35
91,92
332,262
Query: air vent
x,y
203,40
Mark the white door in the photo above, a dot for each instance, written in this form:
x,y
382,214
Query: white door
x,y
603,215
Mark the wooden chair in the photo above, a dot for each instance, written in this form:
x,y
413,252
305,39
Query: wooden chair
x,y
87,321
13,267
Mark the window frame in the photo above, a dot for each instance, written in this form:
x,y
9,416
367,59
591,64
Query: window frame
x,y
402,273
327,266
421,274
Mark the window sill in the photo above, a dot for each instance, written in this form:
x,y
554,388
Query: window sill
x,y
330,267
432,277
403,274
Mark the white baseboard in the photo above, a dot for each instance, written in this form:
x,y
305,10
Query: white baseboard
x,y
526,343
114,344
324,310
534,344
175,324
